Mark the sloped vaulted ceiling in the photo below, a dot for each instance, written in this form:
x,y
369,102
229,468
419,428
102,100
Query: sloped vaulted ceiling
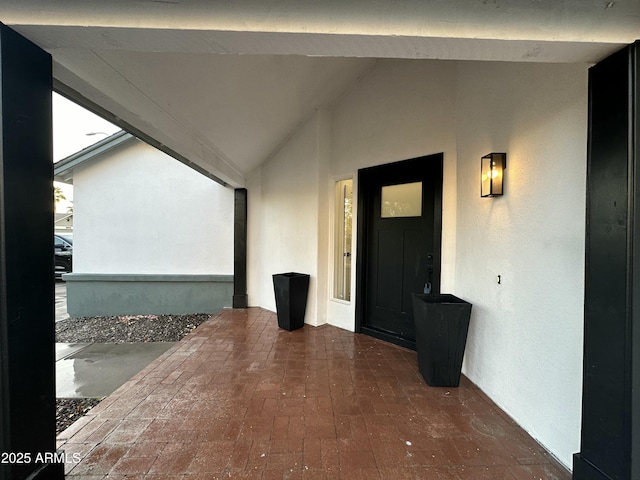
x,y
223,83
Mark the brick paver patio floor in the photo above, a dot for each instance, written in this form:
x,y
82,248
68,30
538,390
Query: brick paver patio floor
x,y
241,398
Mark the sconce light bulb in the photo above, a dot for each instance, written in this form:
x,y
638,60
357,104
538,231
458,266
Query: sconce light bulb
x,y
491,166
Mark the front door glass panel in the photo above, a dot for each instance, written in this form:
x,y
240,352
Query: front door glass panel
x,y
404,200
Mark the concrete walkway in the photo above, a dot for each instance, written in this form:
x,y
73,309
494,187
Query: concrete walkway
x,y
94,370
61,300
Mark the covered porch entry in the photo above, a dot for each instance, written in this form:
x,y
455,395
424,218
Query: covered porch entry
x,y
376,97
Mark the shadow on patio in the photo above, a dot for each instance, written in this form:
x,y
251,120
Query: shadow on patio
x,y
240,398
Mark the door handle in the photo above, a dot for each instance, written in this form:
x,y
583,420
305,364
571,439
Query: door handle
x,y
428,285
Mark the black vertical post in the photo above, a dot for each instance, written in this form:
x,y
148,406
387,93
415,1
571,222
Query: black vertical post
x,y
240,299
27,368
610,437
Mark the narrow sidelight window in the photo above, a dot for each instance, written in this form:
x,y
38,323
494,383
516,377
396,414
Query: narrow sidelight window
x,y
342,240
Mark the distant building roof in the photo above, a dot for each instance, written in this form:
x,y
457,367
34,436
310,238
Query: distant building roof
x,y
63,170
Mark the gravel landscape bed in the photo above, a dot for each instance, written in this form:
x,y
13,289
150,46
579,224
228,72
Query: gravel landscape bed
x,y
68,410
116,329
127,328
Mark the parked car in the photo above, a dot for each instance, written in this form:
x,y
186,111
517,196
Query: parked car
x,y
63,252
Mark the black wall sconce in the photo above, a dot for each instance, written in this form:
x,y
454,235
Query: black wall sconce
x,y
492,168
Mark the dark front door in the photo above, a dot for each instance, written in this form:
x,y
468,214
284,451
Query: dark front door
x,y
399,231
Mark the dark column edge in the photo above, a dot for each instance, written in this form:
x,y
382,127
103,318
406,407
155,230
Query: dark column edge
x,y
240,297
634,261
583,466
50,471
584,470
27,374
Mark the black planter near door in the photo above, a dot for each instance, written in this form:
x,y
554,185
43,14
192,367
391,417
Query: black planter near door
x,y
441,323
291,299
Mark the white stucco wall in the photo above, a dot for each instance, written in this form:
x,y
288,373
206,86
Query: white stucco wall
x,y
138,210
525,344
284,218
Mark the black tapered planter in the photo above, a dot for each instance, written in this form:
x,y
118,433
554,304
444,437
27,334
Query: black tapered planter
x,y
291,299
441,323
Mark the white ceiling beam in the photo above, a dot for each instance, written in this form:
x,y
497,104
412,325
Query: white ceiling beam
x,y
312,44
131,108
599,21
